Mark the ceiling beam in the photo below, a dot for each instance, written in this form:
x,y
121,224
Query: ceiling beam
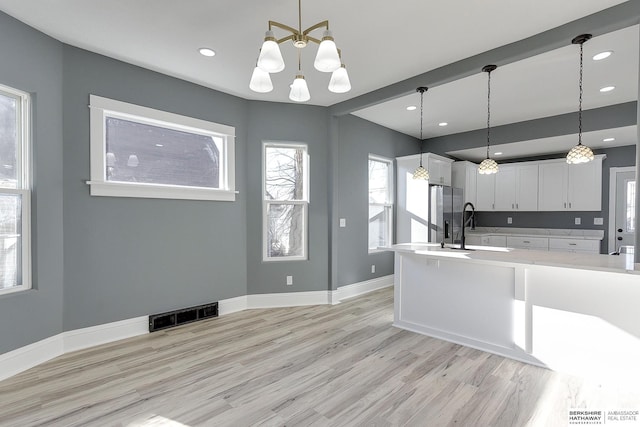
x,y
608,20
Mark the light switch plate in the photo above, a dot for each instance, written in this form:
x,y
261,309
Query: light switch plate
x,y
373,268
598,221
289,280
509,220
343,222
578,220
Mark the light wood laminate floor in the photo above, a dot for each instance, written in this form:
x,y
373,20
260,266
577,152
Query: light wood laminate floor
x,y
321,365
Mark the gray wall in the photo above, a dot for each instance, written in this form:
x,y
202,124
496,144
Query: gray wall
x,y
289,123
32,62
616,157
128,257
357,138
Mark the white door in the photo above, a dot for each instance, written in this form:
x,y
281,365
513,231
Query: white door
x,y
505,190
527,188
552,190
584,190
485,193
625,209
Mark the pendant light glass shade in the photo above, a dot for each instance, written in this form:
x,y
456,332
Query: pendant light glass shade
x,y
339,82
133,161
270,59
327,59
299,90
487,167
260,81
580,154
421,173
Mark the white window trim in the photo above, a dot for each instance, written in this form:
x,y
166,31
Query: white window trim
x,y
102,107
24,178
390,201
266,203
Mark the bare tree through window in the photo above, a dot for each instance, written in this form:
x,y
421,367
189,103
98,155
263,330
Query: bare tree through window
x,y
285,198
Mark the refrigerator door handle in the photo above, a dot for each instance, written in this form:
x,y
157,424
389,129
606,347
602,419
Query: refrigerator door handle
x,y
446,229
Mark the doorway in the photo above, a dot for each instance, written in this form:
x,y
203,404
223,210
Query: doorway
x,y
622,207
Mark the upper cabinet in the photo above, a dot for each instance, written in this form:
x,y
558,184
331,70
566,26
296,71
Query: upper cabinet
x,y
486,191
439,169
516,187
565,187
464,175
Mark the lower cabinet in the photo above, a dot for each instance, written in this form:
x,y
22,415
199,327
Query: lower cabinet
x,y
536,243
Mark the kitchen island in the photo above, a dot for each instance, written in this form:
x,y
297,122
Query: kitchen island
x,y
573,312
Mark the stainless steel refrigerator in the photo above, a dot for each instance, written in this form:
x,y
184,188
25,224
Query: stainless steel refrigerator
x,y
445,214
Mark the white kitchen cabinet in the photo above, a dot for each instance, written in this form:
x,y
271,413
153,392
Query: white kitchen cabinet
x,y
517,188
564,187
464,175
485,192
574,245
439,169
520,242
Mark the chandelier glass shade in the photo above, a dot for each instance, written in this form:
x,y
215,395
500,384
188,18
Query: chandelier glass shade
x,y
260,81
487,167
327,60
580,153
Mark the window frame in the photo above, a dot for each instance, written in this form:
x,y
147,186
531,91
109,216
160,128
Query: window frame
x,y
24,180
266,203
389,203
101,108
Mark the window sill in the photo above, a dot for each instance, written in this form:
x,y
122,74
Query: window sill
x,y
148,191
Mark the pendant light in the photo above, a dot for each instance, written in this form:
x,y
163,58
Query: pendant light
x,y
299,89
580,153
488,165
420,172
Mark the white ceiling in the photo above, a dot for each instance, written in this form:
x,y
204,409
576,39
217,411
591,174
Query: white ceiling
x,y
558,144
382,42
539,86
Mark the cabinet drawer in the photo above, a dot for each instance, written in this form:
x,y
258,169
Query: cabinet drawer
x,y
574,245
518,242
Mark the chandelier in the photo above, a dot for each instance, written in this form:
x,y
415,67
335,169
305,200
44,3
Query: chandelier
x,y
328,59
488,165
421,172
580,153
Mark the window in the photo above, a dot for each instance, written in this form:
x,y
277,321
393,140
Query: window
x,y
15,194
141,152
630,190
380,202
285,201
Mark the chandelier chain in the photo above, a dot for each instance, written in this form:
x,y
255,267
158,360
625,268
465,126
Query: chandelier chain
x,y
580,98
488,112
421,117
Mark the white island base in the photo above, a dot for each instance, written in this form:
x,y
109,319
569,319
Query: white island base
x,y
525,305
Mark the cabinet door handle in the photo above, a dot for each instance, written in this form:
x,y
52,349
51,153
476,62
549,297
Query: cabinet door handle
x,y
517,206
493,205
569,205
572,244
526,241
565,205
512,206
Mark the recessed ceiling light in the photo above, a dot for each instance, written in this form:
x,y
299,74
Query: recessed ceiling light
x,y
602,55
411,107
608,139
443,124
159,145
607,89
498,153
206,51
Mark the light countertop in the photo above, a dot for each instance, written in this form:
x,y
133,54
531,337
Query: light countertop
x,y
623,263
537,232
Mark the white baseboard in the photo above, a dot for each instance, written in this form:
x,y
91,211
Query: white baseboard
x,y
101,334
232,305
29,356
288,299
361,288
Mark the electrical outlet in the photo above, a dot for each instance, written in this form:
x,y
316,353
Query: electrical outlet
x,y
578,220
509,220
373,268
289,280
598,221
343,222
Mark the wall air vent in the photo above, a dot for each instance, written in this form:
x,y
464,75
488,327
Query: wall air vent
x,y
182,316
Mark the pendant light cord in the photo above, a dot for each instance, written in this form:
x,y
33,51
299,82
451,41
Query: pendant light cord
x,y
580,99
